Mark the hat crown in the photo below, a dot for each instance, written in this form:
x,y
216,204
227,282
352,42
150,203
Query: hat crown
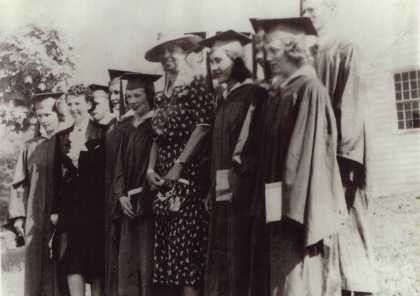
x,y
189,41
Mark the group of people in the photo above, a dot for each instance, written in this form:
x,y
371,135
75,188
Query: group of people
x,y
223,184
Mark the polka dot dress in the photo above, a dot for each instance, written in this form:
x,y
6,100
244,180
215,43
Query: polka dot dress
x,y
181,224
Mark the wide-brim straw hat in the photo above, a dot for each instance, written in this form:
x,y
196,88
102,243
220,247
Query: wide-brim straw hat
x,y
187,41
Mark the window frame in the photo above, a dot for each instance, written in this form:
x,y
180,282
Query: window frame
x,y
407,99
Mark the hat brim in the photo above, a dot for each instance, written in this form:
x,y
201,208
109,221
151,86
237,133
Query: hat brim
x,y
191,42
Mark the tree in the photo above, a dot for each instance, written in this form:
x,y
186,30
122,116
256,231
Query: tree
x,y
33,59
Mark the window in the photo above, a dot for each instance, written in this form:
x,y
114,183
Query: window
x,y
407,95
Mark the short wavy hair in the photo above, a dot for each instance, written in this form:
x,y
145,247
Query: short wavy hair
x,y
297,50
79,90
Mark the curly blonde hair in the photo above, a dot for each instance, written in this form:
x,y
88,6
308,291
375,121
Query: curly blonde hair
x,y
297,49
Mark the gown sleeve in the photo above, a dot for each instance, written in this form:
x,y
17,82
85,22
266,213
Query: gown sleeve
x,y
119,182
245,151
348,106
313,193
20,179
21,168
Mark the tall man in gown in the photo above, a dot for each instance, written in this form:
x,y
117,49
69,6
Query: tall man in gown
x,y
34,181
337,65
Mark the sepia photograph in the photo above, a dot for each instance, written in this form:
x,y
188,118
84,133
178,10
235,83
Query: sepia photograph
x,y
210,148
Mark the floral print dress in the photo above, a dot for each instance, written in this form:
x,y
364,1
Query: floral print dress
x,y
181,224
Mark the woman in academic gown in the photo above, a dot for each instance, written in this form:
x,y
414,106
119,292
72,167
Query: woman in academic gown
x,y
234,153
135,217
112,142
79,205
179,167
298,170
34,182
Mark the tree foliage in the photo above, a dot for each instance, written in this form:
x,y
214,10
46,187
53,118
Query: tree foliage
x,y
32,59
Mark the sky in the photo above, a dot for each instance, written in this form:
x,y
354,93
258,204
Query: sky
x,y
116,34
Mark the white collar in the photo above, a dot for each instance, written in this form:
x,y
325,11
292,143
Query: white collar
x,y
239,84
107,119
305,70
146,116
227,92
82,127
127,114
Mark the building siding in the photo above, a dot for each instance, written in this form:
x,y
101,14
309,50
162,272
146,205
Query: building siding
x,y
393,155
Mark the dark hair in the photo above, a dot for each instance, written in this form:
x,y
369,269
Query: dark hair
x,y
54,108
150,94
91,99
240,72
149,89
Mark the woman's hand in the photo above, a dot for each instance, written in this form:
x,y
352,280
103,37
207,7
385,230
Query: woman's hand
x,y
18,225
174,173
126,207
54,219
154,179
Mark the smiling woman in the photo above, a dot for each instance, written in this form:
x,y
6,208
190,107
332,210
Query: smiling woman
x,y
79,205
34,193
184,113
234,146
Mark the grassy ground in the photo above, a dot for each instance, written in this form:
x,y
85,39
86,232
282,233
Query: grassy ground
x,y
397,248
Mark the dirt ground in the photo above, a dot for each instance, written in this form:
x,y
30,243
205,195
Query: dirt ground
x,y
397,248
397,244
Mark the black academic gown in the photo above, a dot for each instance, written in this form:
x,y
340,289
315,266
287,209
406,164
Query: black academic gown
x,y
112,142
135,256
34,173
228,256
80,203
298,148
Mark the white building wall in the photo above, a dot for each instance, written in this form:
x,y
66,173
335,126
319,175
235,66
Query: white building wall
x,y
393,154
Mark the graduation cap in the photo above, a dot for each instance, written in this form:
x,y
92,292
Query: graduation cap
x,y
113,74
255,24
230,40
295,25
247,34
95,87
45,95
224,38
139,80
